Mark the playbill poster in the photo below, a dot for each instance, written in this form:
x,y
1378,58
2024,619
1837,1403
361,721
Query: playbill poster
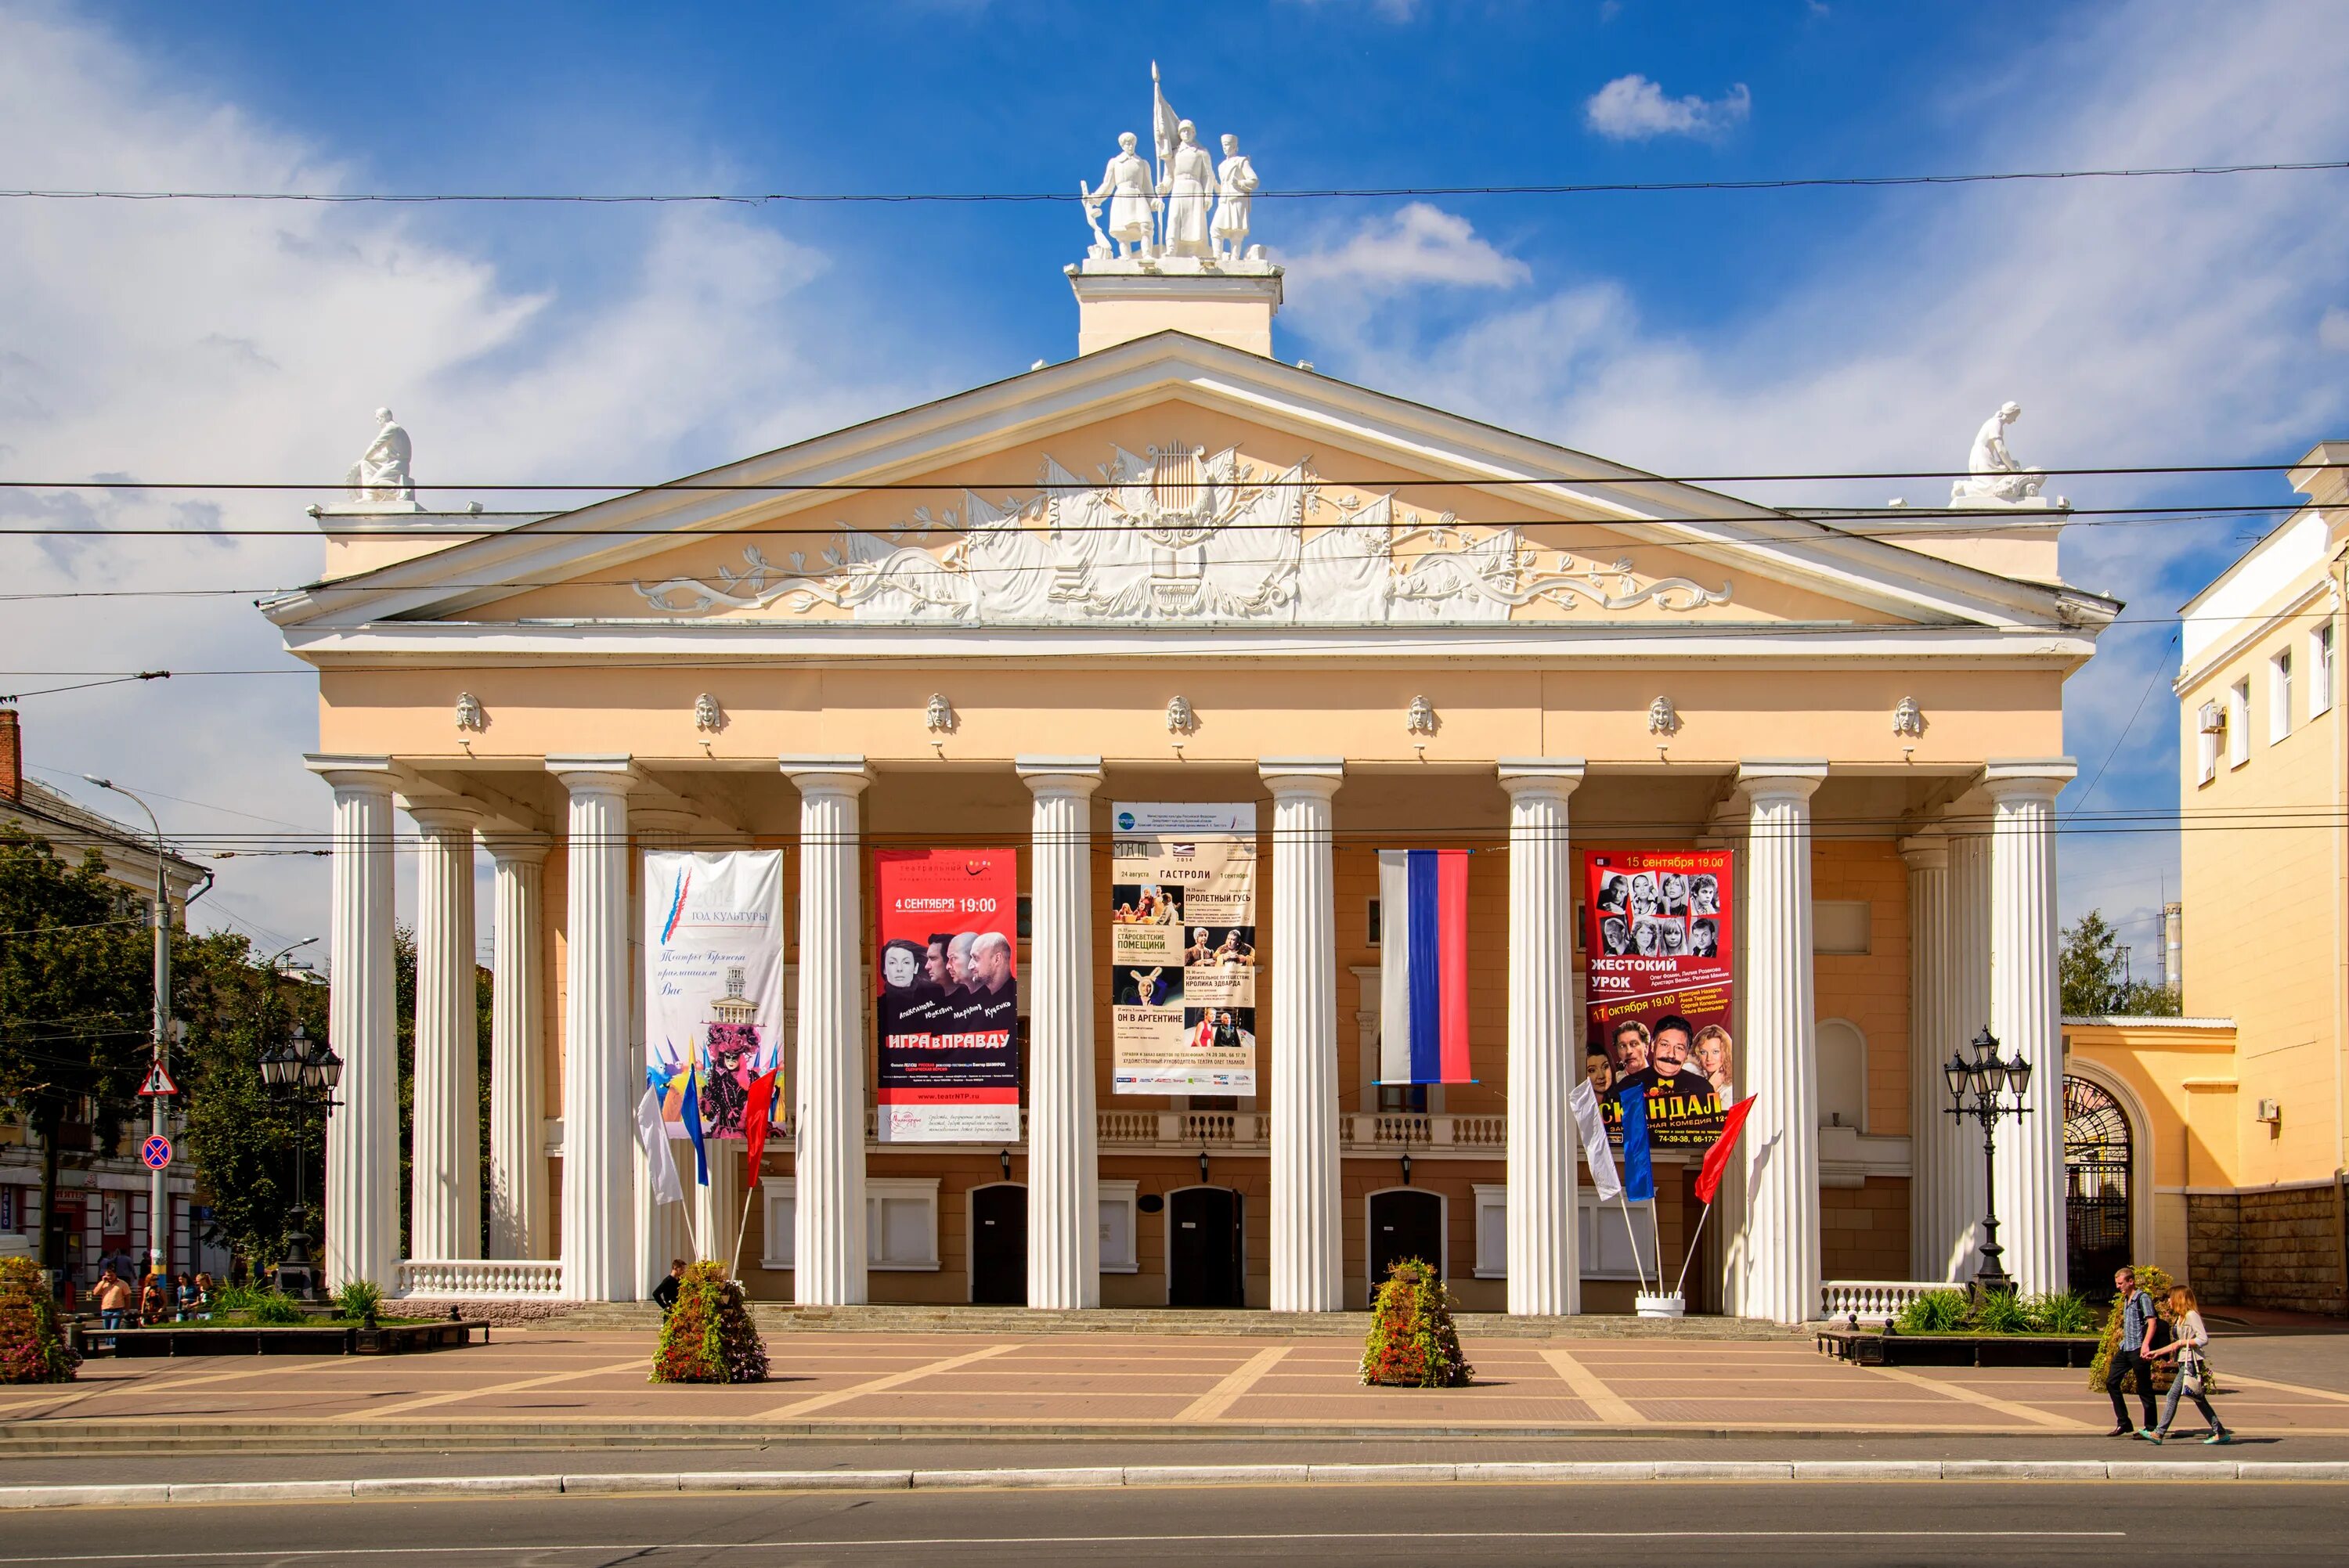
x,y
949,1007
1182,946
1657,943
713,981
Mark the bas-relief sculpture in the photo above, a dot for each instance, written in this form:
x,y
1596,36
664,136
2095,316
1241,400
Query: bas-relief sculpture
x,y
1908,719
1421,719
1178,535
469,715
939,719
1180,719
709,719
1663,718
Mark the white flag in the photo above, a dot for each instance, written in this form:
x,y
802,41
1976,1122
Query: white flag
x,y
653,1137
1601,1159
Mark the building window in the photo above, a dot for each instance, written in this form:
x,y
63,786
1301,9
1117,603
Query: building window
x,y
2238,723
2320,670
1378,933
2207,731
778,1252
1843,1075
901,1222
1117,1226
2279,697
1492,1230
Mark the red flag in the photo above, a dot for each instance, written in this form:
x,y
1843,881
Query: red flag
x,y
757,1113
1716,1159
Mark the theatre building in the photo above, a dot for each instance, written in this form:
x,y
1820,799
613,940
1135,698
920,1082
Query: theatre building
x,y
1175,572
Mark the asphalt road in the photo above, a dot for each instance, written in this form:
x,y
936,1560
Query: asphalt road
x,y
1764,1523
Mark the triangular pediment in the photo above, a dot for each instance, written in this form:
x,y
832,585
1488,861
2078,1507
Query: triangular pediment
x,y
1168,483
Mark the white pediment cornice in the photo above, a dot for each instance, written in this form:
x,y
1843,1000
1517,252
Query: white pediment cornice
x,y
1736,537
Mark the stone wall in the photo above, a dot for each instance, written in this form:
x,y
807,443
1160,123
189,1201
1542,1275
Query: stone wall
x,y
2280,1248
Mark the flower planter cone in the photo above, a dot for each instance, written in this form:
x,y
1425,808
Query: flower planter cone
x,y
1412,1342
32,1348
708,1336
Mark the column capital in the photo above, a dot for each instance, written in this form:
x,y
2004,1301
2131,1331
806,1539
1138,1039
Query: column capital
x,y
363,775
845,774
1539,777
1781,779
444,817
2005,779
1047,777
1315,776
598,775
522,849
1926,852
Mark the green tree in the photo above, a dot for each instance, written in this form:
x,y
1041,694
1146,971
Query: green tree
x,y
2089,970
75,999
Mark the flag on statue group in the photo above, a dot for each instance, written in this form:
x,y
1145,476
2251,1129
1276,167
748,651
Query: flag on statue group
x,y
691,1116
757,1115
1593,1123
1716,1159
1639,1178
653,1137
1423,968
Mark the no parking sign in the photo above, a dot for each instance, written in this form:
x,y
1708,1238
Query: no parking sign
x,y
156,1151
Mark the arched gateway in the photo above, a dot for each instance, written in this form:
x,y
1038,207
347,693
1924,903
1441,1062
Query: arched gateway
x,y
2097,1145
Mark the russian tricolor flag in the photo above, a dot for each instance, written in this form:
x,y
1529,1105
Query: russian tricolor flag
x,y
1424,966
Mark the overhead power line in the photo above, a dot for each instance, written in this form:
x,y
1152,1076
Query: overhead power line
x,y
896,198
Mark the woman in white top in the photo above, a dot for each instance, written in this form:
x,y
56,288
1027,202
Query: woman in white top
x,y
2187,1336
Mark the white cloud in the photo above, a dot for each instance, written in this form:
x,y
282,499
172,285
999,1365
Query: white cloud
x,y
1419,243
2138,322
2332,329
192,340
1633,108
1386,10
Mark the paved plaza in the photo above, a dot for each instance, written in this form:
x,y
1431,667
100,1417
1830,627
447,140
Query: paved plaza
x,y
551,1384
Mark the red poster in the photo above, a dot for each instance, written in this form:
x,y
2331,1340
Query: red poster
x,y
949,1007
1657,942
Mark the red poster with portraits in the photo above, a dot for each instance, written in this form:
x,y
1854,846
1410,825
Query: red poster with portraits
x,y
1657,943
948,1006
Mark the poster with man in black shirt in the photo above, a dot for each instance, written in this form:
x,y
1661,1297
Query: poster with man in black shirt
x,y
1646,1007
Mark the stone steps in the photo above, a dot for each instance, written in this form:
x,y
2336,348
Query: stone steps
x,y
776,1318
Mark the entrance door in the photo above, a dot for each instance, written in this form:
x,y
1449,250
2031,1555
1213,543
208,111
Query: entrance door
x,y
1203,1225
2096,1187
998,1244
1405,1224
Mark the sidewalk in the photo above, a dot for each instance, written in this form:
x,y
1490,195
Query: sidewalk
x,y
564,1389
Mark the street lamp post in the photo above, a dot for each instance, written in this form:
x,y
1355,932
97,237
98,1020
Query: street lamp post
x,y
159,1200
1974,1089
300,1073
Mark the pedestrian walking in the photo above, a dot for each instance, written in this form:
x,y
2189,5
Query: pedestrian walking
x,y
112,1295
184,1294
152,1308
2130,1354
2188,1338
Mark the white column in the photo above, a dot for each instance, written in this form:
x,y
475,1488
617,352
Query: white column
x,y
2026,1015
1781,1148
444,1166
362,1197
1963,1193
599,1212
1063,1165
518,1046
828,1219
1308,1266
1545,1278
1724,1238
1929,1129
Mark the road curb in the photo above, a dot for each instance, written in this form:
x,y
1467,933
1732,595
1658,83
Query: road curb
x,y
635,1483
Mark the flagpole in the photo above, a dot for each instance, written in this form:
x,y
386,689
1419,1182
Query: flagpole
x,y
1632,1230
1689,1256
748,1187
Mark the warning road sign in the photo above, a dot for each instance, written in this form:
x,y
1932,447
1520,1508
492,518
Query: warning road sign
x,y
159,1083
156,1151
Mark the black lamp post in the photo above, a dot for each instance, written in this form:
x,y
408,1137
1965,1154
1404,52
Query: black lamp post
x,y
300,1073
1974,1089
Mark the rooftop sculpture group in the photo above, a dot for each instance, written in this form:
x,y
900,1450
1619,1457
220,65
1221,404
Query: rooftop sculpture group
x,y
1204,204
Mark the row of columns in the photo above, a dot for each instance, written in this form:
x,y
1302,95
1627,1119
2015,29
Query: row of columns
x,y
1982,946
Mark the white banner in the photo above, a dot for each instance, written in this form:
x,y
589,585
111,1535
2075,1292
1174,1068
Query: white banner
x,y
1182,948
713,981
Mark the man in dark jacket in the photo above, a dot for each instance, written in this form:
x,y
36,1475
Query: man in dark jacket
x,y
665,1293
2128,1353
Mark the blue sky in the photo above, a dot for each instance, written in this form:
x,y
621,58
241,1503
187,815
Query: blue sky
x,y
2137,322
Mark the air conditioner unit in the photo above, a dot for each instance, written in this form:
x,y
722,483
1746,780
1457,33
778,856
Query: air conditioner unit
x,y
2214,720
2271,1111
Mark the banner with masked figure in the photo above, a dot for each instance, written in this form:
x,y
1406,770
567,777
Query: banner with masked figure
x,y
713,983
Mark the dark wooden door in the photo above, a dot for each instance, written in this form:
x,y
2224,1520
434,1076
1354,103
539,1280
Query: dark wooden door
x,y
1204,1251
1404,1225
998,1243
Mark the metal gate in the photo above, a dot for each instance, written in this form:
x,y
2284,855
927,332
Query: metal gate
x,y
2095,1186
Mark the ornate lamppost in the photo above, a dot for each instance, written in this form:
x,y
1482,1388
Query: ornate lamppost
x,y
1975,1087
301,1073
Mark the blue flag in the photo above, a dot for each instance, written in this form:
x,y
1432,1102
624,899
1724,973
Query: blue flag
x,y
1638,1179
690,1114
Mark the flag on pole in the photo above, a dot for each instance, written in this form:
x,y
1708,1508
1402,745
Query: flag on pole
x,y
690,1114
1164,122
1424,966
659,1162
1592,1121
758,1114
1639,1178
1716,1159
